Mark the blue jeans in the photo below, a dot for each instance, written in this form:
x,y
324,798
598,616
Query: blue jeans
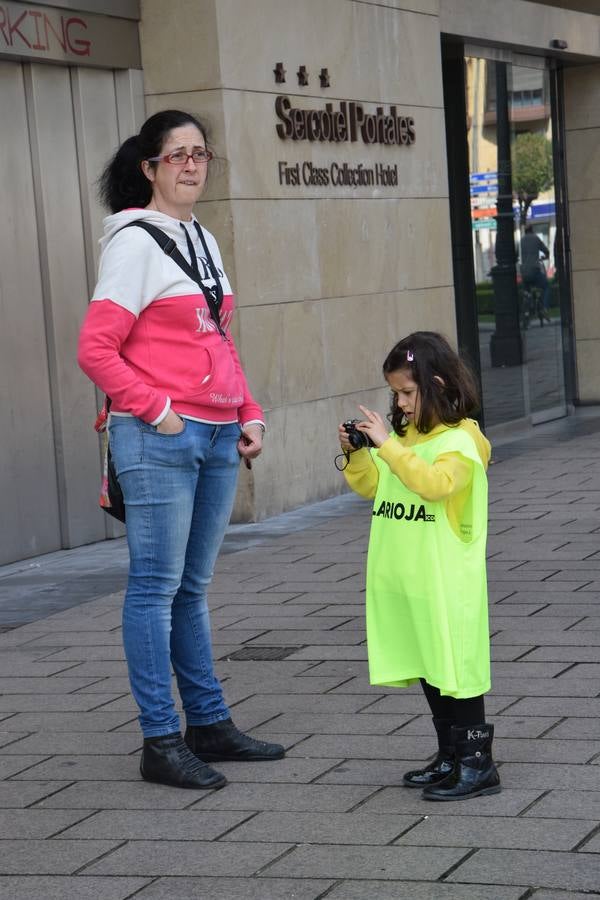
x,y
179,492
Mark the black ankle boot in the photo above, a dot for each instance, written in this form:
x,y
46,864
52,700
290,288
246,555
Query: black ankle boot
x,y
223,741
168,760
474,773
441,766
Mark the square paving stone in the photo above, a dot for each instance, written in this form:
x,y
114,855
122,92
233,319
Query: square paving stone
x,y
584,670
49,857
567,805
44,685
570,871
270,704
167,825
359,746
577,728
543,687
413,890
319,653
352,861
75,653
323,828
119,684
482,831
65,639
285,797
560,895
336,724
508,652
65,888
550,776
67,721
192,857
96,669
510,802
592,846
237,889
18,794
288,770
37,823
544,750
53,703
76,744
557,706
10,737
84,768
112,795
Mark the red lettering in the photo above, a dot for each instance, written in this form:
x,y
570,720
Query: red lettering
x,y
14,28
35,15
79,46
59,37
3,24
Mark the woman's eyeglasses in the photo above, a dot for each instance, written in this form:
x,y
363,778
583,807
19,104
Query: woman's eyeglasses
x,y
180,157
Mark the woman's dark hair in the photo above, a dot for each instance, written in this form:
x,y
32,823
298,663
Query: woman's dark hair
x,y
122,183
425,355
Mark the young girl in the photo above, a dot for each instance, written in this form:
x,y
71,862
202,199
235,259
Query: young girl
x,y
427,613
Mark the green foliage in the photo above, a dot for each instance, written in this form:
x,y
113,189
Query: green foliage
x,y
532,171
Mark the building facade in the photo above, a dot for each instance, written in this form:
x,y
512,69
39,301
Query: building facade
x,y
379,164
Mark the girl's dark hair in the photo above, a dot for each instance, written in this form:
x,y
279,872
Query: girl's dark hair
x,y
425,355
122,183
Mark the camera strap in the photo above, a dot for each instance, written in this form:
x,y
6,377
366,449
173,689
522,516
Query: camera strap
x,y
214,294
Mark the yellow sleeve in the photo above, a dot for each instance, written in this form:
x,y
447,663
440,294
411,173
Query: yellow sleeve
x,y
361,474
449,474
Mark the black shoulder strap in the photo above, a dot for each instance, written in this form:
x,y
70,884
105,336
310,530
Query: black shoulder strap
x,y
169,247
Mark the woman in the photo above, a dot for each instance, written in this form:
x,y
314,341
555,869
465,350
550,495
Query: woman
x,y
156,342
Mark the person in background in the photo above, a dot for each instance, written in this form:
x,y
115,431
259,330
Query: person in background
x,y
533,273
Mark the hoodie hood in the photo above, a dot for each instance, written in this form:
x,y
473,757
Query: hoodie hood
x,y
484,448
114,223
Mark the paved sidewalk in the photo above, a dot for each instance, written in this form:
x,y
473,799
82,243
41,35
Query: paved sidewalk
x,y
330,820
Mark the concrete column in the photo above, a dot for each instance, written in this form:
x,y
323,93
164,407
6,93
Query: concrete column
x,y
582,113
328,277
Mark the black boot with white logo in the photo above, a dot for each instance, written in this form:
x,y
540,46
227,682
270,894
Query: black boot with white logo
x,y
441,766
474,773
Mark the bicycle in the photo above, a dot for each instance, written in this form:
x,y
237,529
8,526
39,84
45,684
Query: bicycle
x,y
532,305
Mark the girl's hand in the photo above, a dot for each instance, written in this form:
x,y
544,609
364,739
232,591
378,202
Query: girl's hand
x,y
373,425
343,437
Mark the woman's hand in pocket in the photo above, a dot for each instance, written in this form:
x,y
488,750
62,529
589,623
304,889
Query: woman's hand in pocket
x,y
171,424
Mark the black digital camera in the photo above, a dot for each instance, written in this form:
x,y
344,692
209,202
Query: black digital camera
x,y
358,439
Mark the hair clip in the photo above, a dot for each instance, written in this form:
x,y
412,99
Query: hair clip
x,y
410,357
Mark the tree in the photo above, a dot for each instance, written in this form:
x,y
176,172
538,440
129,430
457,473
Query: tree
x,y
532,171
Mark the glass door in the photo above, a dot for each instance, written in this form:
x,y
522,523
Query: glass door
x,y
515,240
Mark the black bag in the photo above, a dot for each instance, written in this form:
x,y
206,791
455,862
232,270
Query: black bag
x,y
111,495
113,490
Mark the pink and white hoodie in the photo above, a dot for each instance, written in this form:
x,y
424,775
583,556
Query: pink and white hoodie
x,y
148,340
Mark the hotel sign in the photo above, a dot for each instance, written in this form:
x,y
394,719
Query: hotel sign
x,y
346,123
336,124
48,34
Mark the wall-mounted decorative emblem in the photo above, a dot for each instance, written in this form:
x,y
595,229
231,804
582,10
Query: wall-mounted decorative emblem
x,y
324,78
279,73
302,74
